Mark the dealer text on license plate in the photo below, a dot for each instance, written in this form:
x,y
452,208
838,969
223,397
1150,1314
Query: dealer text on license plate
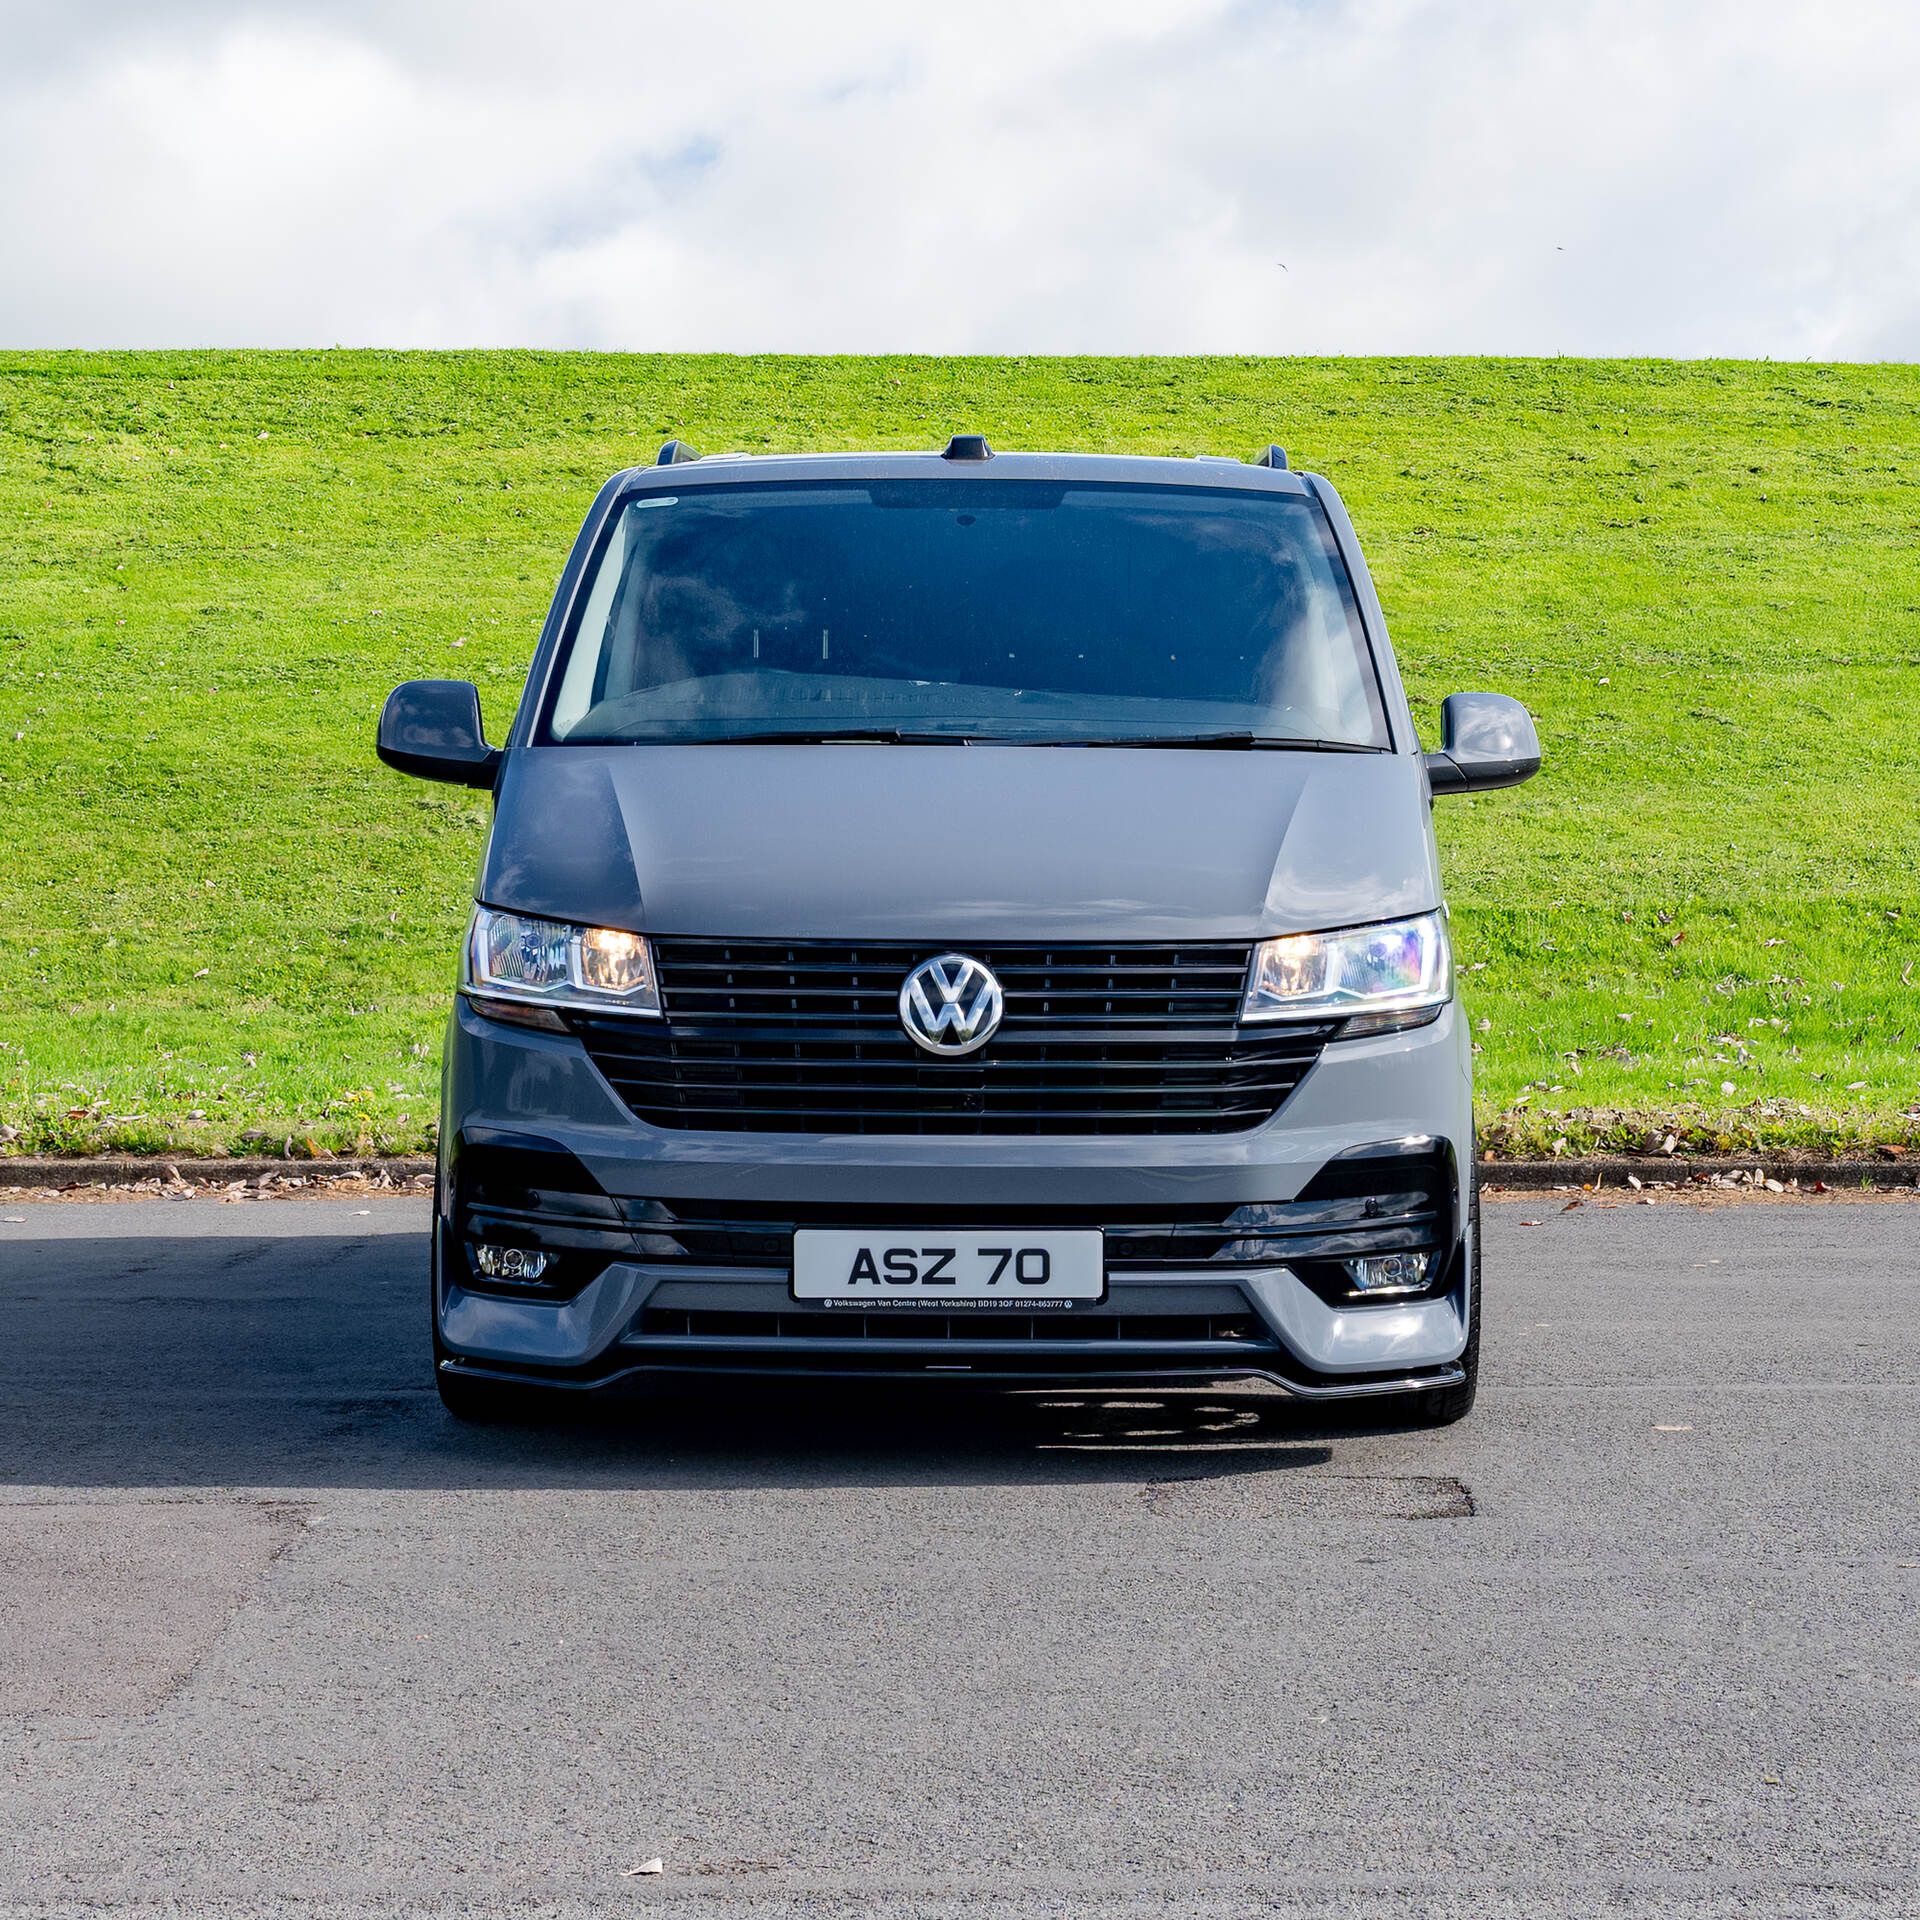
x,y
891,1267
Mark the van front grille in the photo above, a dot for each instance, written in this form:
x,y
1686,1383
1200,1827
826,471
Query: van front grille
x,y
804,1037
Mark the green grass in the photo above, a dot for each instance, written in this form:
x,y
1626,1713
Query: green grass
x,y
221,920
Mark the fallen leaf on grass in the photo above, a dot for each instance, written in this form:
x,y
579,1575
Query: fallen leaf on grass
x,y
1677,938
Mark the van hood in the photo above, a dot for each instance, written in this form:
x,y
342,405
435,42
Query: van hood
x,y
960,843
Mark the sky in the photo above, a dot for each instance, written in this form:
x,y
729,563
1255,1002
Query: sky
x,y
1235,176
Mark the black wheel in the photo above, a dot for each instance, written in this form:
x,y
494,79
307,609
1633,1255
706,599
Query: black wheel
x,y
1443,1407
483,1401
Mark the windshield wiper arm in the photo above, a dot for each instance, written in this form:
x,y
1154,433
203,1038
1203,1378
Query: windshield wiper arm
x,y
828,736
904,737
1286,742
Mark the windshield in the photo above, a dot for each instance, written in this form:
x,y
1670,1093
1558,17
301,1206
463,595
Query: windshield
x,y
1011,610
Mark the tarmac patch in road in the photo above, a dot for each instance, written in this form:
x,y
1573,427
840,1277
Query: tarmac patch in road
x,y
106,1606
1311,1496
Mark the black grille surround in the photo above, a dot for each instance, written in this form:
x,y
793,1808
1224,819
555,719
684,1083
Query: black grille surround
x,y
805,1037
1392,1198
757,1236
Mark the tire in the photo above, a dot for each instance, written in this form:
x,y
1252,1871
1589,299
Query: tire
x,y
1448,1404
488,1403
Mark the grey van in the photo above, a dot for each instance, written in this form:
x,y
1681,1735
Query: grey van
x,y
959,914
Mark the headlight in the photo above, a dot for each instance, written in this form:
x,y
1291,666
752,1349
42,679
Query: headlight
x,y
1396,974
545,963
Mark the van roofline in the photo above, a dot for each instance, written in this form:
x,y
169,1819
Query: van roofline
x,y
1200,470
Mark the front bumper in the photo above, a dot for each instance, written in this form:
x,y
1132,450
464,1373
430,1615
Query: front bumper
x,y
1238,1307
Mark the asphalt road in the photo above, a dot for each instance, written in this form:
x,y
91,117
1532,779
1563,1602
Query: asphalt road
x,y
1641,1636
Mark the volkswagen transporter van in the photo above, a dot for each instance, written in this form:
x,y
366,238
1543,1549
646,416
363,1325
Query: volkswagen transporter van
x,y
959,915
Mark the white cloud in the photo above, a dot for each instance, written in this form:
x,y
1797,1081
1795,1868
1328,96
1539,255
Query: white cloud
x,y
1436,175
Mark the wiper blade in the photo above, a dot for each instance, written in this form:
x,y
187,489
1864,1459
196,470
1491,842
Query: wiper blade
x,y
904,737
826,736
1284,742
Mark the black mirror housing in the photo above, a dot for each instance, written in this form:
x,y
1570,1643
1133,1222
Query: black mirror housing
x,y
432,729
1488,741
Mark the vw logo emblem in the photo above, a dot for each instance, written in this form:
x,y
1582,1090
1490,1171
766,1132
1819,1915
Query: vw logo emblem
x,y
951,1005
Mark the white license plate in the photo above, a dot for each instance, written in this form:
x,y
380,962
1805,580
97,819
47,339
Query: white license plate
x,y
891,1267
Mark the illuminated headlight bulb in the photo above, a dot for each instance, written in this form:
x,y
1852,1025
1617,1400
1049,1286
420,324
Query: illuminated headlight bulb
x,y
614,962
1294,968
1388,1273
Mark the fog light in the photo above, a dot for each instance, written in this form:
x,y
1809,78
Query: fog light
x,y
511,1263
1389,1272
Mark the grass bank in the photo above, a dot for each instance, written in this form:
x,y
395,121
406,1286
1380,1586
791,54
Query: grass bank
x,y
223,924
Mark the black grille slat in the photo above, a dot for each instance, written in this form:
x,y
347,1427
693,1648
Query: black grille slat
x,y
1145,1330
830,1079
785,1037
1055,1093
890,1043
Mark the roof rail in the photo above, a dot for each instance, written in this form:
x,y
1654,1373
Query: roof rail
x,y
1270,457
968,446
676,452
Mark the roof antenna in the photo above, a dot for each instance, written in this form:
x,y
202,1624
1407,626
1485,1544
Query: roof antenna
x,y
676,452
1266,457
968,446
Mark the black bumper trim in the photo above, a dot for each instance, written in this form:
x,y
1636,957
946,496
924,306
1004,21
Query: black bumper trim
x,y
1196,1369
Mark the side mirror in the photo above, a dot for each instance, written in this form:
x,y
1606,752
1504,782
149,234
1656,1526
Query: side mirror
x,y
1488,741
432,728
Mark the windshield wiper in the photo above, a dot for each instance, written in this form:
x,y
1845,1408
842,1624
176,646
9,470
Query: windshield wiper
x,y
903,737
827,736
1285,742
